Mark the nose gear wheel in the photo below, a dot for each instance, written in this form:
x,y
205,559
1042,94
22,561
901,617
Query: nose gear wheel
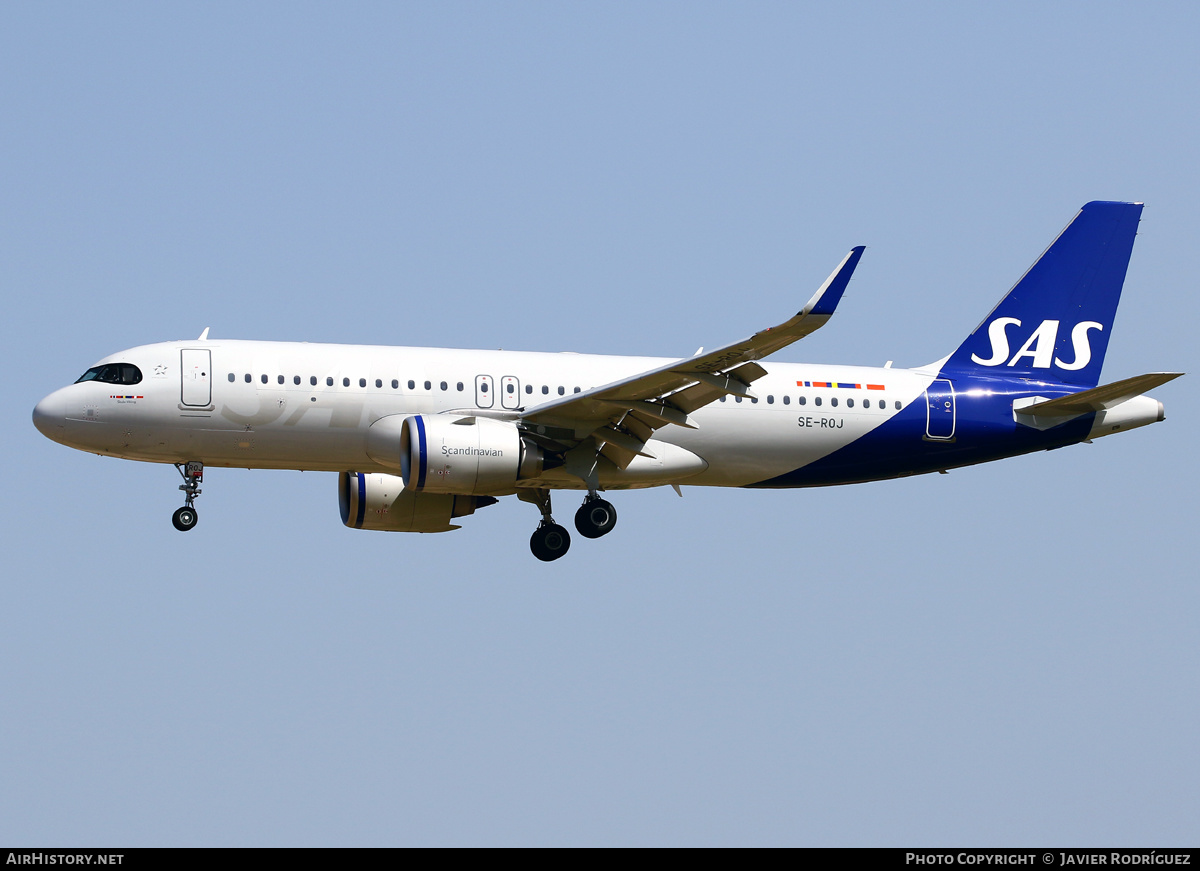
x,y
184,519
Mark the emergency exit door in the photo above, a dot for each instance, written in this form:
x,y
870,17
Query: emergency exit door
x,y
510,392
485,397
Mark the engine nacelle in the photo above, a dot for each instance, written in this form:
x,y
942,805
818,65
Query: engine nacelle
x,y
464,455
381,502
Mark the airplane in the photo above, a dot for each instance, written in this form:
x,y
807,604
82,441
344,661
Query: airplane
x,y
421,437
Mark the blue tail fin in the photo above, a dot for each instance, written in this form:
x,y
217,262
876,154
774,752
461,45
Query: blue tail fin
x,y
1055,323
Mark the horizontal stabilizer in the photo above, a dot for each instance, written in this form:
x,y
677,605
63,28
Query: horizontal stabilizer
x,y
1099,398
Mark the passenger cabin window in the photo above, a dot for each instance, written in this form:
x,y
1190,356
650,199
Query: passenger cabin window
x,y
378,382
561,390
459,385
801,400
345,382
833,402
312,380
816,400
362,382
787,400
428,385
897,405
529,388
113,373
279,378
263,379
296,380
545,388
248,379
395,384
328,380
444,385
231,377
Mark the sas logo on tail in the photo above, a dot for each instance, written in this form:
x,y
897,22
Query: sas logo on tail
x,y
1039,347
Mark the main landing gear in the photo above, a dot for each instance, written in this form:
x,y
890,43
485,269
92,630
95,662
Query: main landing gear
x,y
549,541
596,517
184,519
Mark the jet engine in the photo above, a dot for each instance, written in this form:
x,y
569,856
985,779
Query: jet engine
x,y
382,502
456,455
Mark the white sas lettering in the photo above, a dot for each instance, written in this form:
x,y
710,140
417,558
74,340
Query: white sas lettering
x,y
999,342
1039,346
1083,347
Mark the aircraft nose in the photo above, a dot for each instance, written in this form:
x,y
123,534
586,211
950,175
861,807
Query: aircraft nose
x,y
50,416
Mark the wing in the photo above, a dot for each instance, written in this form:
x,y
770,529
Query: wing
x,y
618,419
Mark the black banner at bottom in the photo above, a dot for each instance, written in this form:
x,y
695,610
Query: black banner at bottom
x,y
1040,857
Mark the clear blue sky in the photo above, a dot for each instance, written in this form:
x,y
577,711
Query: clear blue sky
x,y
1004,655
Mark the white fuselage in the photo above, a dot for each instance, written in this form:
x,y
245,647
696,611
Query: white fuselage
x,y
284,405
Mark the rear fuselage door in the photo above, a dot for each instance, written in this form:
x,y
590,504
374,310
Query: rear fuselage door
x,y
484,394
196,371
510,392
939,405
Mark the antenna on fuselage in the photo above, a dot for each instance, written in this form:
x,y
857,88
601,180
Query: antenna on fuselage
x,y
204,335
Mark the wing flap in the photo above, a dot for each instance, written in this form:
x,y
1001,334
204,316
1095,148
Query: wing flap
x,y
712,388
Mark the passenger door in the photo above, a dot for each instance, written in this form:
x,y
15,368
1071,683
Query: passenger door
x,y
939,409
195,370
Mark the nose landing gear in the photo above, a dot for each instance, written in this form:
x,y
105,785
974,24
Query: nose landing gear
x,y
184,519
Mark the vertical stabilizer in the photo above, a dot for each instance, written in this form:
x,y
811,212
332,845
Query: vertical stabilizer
x,y
1055,323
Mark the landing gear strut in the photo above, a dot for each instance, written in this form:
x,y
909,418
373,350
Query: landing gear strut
x,y
595,517
549,541
184,519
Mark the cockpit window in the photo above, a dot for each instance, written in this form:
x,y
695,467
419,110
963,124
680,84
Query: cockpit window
x,y
113,373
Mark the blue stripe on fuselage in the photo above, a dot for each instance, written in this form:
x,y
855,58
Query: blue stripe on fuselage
x,y
984,431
